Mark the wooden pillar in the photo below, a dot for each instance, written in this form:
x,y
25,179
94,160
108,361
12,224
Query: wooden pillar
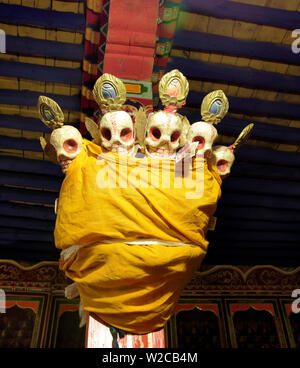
x,y
129,55
99,336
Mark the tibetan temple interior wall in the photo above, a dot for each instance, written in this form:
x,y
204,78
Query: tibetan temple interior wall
x,y
223,306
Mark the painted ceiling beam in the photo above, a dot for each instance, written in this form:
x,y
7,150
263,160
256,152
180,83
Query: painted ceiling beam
x,y
27,223
29,254
224,224
30,180
206,42
27,195
260,237
257,213
266,131
244,12
23,123
240,76
16,14
26,235
265,171
252,106
20,144
34,46
260,200
29,98
268,156
40,72
262,186
25,165
27,211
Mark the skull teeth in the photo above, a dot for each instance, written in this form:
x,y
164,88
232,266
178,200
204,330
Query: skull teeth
x,y
65,164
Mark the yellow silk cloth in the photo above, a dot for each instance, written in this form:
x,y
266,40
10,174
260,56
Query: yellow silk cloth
x,y
107,197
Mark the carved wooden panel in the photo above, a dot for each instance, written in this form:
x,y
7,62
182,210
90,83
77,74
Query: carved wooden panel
x,y
255,323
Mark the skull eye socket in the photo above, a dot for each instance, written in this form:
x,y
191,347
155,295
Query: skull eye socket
x,y
175,136
126,134
200,140
155,133
70,145
222,165
106,134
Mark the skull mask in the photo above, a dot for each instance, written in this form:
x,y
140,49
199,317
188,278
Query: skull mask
x,y
205,134
67,142
163,133
116,132
222,158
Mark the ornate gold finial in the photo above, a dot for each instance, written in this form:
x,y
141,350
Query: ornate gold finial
x,y
242,138
109,92
173,88
50,113
214,107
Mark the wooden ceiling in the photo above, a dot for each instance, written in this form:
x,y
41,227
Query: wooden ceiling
x,y
241,47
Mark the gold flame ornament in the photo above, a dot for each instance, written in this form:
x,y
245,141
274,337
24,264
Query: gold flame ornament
x,y
214,107
109,92
50,113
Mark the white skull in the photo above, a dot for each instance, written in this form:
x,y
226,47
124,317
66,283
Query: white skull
x,y
116,132
67,142
163,133
205,134
223,158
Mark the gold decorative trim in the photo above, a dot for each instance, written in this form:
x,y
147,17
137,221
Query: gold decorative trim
x,y
50,113
207,103
164,84
113,87
242,138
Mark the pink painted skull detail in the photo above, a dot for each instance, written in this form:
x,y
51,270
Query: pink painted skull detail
x,y
67,142
116,132
223,158
205,134
163,133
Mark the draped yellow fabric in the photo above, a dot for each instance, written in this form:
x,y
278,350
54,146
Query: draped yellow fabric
x,y
107,200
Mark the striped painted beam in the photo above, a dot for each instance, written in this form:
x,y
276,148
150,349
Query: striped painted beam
x,y
206,42
264,171
26,235
257,213
29,254
216,257
20,144
27,223
252,106
244,12
233,126
241,76
234,198
28,98
40,72
262,186
34,46
24,165
15,14
224,224
23,123
27,195
268,156
27,211
255,236
30,180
